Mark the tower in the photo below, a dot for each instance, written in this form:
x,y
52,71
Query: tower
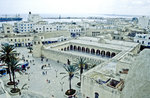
x,y
37,46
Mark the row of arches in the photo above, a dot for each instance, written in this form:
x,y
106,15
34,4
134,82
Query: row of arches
x,y
88,50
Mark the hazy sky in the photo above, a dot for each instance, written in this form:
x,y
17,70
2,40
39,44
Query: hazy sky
x,y
136,7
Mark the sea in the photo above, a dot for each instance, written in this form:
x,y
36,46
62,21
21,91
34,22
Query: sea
x,y
25,16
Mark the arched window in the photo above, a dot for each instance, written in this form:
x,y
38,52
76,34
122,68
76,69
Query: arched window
x,y
75,48
65,49
83,49
98,52
103,53
87,50
68,48
113,54
96,95
79,48
71,47
92,51
107,54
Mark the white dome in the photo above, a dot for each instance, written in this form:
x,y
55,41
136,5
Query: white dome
x,y
102,40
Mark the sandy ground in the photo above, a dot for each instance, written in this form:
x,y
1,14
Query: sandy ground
x,y
36,81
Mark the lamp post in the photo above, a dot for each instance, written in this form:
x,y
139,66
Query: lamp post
x,y
56,72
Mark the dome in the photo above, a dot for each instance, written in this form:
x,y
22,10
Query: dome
x,y
116,32
36,38
108,36
101,40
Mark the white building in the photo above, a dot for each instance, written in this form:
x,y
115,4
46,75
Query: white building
x,y
143,21
34,17
74,30
22,40
7,28
24,26
143,39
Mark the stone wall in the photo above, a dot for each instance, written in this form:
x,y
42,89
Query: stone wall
x,y
92,87
63,56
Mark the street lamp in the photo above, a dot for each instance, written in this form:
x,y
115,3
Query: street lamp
x,y
56,72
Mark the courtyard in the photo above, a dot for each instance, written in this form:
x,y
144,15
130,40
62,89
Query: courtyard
x,y
46,82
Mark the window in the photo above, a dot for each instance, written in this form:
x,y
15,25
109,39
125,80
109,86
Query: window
x,y
142,42
15,40
36,28
149,37
8,31
137,41
11,39
8,28
148,43
39,28
28,39
96,95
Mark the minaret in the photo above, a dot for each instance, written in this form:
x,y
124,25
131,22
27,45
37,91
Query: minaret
x,y
37,46
29,16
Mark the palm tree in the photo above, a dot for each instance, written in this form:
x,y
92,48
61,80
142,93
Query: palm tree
x,y
14,66
81,63
7,52
71,71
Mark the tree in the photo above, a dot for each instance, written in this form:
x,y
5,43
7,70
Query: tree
x,y
14,66
81,62
71,71
7,53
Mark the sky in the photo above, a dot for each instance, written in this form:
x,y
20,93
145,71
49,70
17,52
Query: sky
x,y
123,7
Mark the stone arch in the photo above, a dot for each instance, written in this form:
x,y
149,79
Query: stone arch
x,y
71,47
79,48
92,51
103,53
34,43
65,49
87,50
75,48
113,54
98,52
83,49
107,54
68,48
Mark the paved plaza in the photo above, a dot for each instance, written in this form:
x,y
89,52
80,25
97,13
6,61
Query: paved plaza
x,y
47,82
